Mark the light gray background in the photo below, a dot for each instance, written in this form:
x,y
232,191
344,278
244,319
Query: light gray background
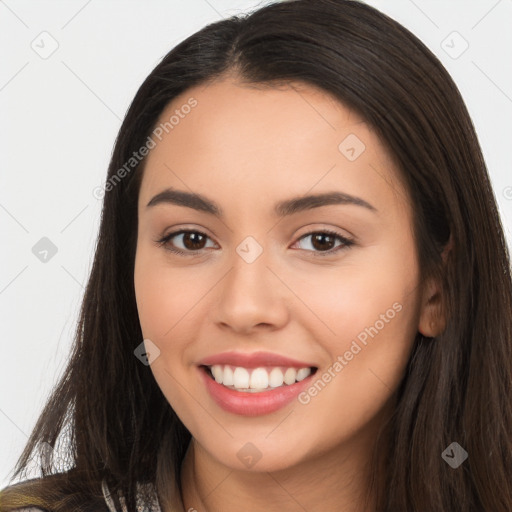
x,y
60,115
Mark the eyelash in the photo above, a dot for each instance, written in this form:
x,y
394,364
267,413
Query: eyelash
x,y
346,242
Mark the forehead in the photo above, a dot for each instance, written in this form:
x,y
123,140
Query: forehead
x,y
248,143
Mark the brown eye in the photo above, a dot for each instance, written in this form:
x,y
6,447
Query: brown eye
x,y
188,241
193,240
323,242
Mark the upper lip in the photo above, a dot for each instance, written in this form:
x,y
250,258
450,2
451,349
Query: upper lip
x,y
253,360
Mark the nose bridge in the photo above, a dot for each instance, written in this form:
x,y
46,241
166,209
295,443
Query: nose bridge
x,y
248,296
249,266
250,250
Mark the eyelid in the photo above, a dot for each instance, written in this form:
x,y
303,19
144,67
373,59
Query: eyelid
x,y
347,242
163,241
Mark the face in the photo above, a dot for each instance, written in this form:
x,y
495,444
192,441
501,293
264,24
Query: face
x,y
304,310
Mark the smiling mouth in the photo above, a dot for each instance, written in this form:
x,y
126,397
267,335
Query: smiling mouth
x,y
256,380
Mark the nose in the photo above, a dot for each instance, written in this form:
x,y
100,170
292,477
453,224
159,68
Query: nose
x,y
251,297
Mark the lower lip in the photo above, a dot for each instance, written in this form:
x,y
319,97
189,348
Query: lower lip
x,y
252,404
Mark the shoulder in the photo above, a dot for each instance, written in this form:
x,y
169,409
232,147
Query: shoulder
x,y
29,509
57,492
60,491
22,497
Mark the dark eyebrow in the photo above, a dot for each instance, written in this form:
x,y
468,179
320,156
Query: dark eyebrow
x,y
281,209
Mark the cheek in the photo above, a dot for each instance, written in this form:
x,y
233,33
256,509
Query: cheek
x,y
368,359
369,293
169,300
352,391
159,312
165,295
164,298
369,314
373,313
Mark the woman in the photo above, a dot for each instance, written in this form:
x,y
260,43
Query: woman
x,y
301,293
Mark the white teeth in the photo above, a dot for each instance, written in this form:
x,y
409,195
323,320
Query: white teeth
x,y
303,373
289,376
240,378
217,373
227,378
276,378
257,379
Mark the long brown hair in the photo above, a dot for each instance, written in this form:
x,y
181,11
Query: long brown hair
x,y
457,387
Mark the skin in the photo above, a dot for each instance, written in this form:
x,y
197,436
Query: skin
x,y
246,148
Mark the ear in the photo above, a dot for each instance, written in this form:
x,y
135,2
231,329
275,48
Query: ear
x,y
432,321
